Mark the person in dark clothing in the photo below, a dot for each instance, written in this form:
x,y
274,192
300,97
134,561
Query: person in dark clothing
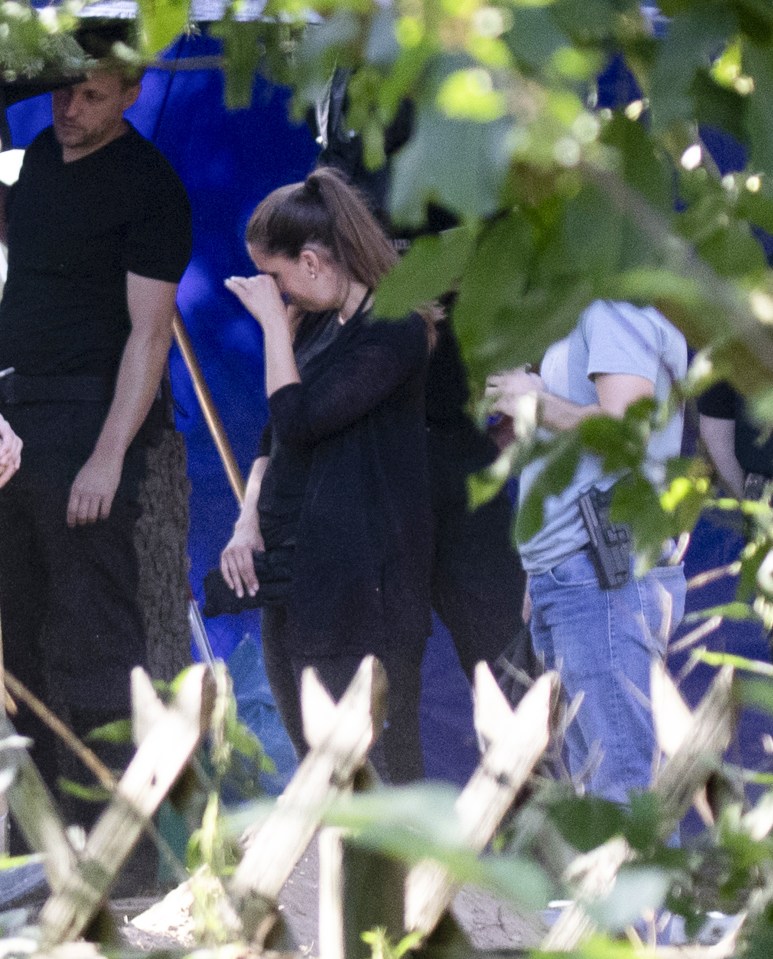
x,y
341,478
741,450
478,583
98,232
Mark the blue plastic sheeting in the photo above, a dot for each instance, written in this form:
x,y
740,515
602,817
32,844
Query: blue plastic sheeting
x,y
228,162
256,709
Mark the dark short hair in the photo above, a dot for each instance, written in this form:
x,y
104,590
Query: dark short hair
x,y
98,38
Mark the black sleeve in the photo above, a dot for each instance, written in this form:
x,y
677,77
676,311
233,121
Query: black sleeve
x,y
719,401
264,443
381,357
159,240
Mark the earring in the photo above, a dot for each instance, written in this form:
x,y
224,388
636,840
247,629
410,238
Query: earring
x,y
313,275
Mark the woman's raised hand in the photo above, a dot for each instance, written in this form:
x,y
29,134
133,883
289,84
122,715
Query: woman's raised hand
x,y
260,296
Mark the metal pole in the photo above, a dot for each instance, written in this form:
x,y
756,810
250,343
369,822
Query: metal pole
x,y
217,431
209,410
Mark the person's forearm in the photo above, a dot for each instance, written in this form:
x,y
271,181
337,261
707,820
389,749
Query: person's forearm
x,y
139,374
559,414
249,508
615,391
718,436
280,359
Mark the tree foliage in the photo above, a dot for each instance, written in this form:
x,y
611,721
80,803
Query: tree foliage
x,y
564,192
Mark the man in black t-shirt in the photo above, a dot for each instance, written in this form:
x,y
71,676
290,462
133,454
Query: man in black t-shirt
x,y
99,234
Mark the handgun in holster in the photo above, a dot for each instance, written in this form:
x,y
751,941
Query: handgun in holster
x,y
610,543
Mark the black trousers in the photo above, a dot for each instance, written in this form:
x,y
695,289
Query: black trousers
x,y
72,626
478,583
397,754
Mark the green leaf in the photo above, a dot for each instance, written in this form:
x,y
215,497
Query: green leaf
x,y
641,164
717,106
160,22
119,731
691,40
759,939
636,889
620,442
383,48
755,693
535,37
484,485
493,281
431,267
755,18
457,164
758,61
413,823
242,52
643,825
735,611
733,251
87,793
647,286
593,234
636,503
523,328
587,822
557,473
591,21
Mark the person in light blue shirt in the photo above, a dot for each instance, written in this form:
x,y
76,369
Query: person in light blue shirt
x,y
601,640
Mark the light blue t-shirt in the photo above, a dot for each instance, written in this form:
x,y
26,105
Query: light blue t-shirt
x,y
609,338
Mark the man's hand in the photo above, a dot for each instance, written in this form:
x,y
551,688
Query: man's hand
x,y
506,389
236,562
10,452
93,491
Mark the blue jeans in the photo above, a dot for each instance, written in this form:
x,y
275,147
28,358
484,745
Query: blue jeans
x,y
602,643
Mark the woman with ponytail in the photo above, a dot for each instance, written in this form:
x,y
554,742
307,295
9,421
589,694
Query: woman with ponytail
x,y
340,485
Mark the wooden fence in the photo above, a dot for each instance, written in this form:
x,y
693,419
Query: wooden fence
x,y
360,890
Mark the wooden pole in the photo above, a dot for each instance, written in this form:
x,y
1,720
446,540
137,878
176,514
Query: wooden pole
x,y
208,408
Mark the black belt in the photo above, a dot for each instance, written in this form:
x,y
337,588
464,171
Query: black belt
x,y
16,389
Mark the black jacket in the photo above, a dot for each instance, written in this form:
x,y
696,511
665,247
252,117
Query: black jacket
x,y
363,540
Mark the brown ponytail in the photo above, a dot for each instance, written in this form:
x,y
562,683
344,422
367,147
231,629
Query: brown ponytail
x,y
324,210
328,212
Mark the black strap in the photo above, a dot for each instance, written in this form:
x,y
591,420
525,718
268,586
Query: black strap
x,y
361,308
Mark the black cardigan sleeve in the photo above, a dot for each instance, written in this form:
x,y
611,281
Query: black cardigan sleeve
x,y
363,370
264,443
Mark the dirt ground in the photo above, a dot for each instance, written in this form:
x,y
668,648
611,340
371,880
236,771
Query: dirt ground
x,y
488,923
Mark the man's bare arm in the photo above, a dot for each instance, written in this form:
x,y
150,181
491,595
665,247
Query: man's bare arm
x,y
718,435
151,307
616,392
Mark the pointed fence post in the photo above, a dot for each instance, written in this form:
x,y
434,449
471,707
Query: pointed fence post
x,y
516,740
682,777
35,812
156,766
340,736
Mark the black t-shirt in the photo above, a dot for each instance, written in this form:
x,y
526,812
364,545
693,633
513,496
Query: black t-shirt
x,y
753,444
74,232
